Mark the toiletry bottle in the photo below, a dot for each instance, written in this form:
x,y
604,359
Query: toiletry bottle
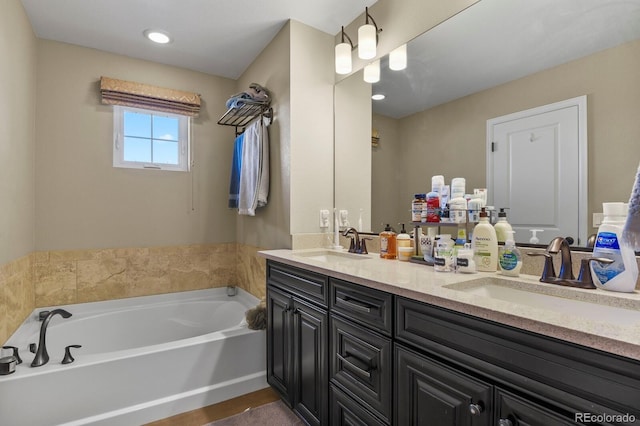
x,y
388,245
433,207
464,260
404,240
458,209
474,205
417,205
485,244
534,236
443,257
509,257
503,228
622,274
427,244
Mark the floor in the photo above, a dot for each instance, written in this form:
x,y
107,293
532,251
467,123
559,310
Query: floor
x,y
221,410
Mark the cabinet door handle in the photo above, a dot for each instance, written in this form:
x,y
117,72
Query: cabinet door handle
x,y
360,366
505,422
357,306
476,409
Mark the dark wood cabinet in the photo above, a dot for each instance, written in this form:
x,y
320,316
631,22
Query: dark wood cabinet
x,y
429,392
297,341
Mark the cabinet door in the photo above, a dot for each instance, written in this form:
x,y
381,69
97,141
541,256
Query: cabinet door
x,y
310,362
279,337
347,412
431,393
513,410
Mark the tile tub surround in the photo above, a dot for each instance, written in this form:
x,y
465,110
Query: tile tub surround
x,y
422,283
50,278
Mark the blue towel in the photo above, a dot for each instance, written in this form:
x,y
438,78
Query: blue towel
x,y
236,166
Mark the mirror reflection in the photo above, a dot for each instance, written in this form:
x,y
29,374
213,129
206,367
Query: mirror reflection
x,y
496,58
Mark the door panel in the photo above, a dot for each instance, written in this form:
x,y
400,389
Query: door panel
x,y
535,171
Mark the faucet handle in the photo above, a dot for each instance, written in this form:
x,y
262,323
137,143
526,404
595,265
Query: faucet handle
x,y
363,245
352,246
68,359
585,280
548,272
15,354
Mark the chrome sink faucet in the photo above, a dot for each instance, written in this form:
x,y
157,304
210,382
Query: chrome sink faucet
x,y
559,244
42,357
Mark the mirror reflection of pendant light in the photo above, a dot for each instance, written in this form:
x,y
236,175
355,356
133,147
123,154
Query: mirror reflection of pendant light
x,y
372,72
368,37
343,55
398,58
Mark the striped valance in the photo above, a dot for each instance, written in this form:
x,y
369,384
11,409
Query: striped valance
x,y
128,93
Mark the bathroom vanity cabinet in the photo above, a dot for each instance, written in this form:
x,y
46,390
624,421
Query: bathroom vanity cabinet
x,y
297,325
355,355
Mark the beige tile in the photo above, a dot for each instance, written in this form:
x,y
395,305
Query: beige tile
x,y
148,275
251,270
41,257
55,283
101,279
189,272
4,327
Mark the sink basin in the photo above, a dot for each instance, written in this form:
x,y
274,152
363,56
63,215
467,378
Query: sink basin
x,y
330,256
593,304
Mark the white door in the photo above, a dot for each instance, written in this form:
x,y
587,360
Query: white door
x,y
536,168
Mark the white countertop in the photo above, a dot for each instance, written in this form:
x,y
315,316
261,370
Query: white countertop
x,y
574,315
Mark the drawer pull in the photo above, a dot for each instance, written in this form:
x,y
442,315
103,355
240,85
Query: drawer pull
x,y
357,306
476,409
505,422
358,365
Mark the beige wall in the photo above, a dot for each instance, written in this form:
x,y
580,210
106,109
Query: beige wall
x,y
269,228
17,132
386,176
450,139
82,200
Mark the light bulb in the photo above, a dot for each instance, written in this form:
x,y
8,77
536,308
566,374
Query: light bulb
x,y
157,36
343,58
372,72
398,58
367,41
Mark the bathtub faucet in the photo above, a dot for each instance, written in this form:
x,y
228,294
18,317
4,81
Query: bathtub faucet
x,y
42,357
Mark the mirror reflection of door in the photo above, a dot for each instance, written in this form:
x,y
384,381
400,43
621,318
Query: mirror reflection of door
x,y
529,153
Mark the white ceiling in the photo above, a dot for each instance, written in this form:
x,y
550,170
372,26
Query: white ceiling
x,y
495,41
219,37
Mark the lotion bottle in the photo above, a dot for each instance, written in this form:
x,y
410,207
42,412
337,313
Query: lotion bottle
x,y
503,228
485,244
509,257
622,274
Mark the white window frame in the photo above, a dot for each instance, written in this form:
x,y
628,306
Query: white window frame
x,y
184,141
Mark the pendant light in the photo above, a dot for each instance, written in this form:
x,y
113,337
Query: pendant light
x,y
398,58
368,37
372,72
343,55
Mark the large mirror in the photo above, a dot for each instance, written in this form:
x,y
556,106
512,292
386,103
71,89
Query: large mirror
x,y
495,58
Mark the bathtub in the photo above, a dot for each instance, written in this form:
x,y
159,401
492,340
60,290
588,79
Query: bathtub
x,y
142,359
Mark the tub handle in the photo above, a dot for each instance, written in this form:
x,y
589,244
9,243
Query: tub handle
x,y
68,358
15,353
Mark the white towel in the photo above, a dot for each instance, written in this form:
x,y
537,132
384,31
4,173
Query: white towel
x,y
631,231
254,175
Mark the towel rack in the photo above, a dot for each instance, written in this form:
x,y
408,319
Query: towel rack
x,y
240,116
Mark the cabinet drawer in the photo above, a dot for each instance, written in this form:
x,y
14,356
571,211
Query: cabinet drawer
x,y
361,365
370,307
346,412
299,282
514,410
570,375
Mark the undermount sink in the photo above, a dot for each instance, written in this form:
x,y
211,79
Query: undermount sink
x,y
330,256
593,304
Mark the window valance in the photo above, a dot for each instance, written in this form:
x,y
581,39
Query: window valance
x,y
138,95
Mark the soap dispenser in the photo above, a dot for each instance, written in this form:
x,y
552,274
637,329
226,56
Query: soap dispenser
x,y
509,257
388,245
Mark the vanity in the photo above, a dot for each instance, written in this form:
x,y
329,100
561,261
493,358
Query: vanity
x,y
359,340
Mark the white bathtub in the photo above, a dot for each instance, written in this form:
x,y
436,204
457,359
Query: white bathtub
x,y
142,359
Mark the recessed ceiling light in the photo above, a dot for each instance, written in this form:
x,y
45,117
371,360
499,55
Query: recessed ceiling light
x,y
157,36
377,97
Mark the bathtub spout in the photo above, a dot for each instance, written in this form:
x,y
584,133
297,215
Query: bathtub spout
x,y
42,357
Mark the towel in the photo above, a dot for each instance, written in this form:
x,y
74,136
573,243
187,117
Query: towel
x,y
631,231
236,166
254,171
255,92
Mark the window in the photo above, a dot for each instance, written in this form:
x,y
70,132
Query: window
x,y
145,139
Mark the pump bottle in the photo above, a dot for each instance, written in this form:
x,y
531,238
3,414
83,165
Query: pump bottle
x,y
388,245
509,257
503,228
485,244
